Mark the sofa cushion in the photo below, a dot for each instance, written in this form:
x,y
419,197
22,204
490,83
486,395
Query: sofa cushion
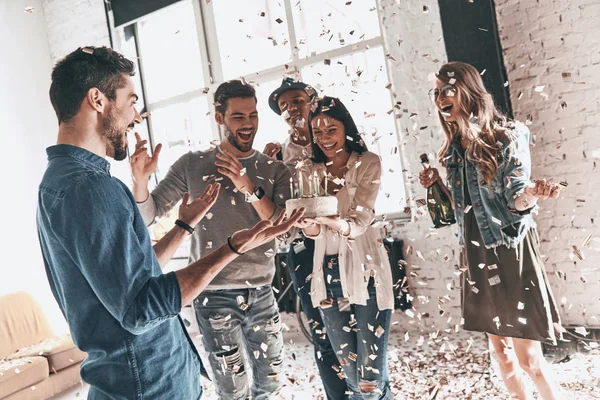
x,y
21,373
40,391
22,323
67,378
60,351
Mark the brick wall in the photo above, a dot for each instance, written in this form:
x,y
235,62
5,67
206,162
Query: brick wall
x,y
413,36
74,23
552,54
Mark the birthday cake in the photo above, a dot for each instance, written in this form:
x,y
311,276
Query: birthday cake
x,y
317,206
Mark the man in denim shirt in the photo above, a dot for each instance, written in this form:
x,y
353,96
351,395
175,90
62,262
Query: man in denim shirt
x,y
102,268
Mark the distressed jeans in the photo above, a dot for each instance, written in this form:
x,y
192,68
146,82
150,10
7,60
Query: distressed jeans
x,y
300,266
359,334
241,332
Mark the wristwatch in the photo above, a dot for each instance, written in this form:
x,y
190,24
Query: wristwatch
x,y
256,195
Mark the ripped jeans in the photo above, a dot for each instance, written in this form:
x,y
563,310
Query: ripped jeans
x,y
359,335
241,332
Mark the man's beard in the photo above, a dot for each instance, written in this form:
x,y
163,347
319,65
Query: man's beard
x,y
114,135
243,147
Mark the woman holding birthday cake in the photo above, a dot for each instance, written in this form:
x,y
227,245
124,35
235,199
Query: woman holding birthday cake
x,y
351,278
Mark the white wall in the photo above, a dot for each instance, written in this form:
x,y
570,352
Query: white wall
x,y
28,126
555,44
420,52
74,23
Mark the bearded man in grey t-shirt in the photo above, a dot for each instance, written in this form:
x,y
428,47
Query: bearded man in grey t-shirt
x,y
237,314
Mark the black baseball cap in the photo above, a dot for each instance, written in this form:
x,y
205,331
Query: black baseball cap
x,y
289,84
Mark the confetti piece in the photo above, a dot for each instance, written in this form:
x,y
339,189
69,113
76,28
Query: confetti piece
x,y
581,330
577,252
494,280
205,301
523,320
29,10
520,306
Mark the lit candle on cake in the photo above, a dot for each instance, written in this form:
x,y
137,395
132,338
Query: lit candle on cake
x,y
301,184
317,186
326,194
291,188
310,186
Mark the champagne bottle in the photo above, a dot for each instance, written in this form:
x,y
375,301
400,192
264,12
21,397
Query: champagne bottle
x,y
438,201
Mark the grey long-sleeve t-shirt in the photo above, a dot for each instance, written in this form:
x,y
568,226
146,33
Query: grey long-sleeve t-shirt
x,y
192,173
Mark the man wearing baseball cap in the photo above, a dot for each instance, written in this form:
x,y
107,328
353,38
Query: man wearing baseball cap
x,y
293,101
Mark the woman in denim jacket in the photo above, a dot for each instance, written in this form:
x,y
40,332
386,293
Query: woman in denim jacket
x,y
351,275
505,291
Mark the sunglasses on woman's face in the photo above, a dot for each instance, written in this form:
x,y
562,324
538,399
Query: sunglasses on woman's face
x,y
446,90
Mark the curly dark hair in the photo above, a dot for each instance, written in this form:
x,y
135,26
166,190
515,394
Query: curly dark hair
x,y
83,69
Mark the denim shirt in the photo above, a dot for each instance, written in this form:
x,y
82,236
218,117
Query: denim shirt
x,y
494,206
121,309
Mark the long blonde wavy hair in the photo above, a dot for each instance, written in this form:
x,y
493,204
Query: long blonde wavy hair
x,y
487,132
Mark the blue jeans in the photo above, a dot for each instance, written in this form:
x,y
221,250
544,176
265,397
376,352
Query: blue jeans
x,y
358,333
241,328
300,261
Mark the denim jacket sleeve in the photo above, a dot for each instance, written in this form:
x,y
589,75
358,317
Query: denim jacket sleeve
x,y
168,192
97,218
517,170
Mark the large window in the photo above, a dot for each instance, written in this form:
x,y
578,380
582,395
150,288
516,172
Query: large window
x,y
186,50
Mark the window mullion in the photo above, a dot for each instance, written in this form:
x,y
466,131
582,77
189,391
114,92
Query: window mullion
x,y
140,62
342,51
202,43
205,20
291,30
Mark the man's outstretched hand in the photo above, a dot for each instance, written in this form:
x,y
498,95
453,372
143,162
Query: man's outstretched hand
x,y
264,231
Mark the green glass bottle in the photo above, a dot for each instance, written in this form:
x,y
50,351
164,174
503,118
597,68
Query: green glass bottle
x,y
439,203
